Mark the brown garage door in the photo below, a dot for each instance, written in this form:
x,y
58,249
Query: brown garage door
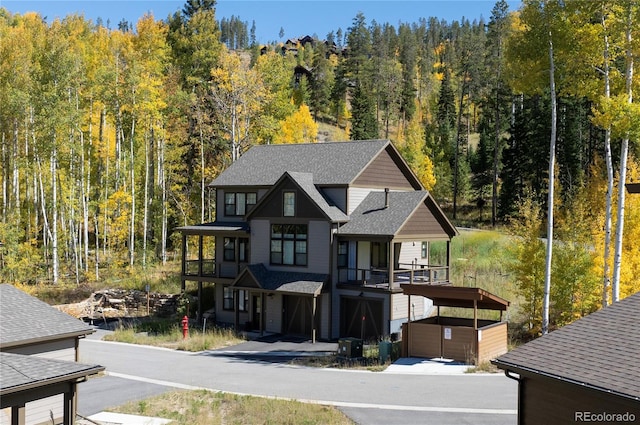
x,y
361,318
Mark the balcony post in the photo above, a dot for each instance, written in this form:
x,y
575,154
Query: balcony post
x,y
448,259
200,254
392,258
184,260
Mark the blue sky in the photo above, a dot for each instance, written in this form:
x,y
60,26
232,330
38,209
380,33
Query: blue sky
x,y
296,17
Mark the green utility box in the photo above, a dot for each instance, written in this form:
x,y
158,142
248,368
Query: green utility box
x,y
384,351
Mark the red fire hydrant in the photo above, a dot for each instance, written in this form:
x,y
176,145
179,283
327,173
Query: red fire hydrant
x,y
185,327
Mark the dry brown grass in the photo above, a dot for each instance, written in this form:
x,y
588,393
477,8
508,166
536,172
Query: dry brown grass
x,y
212,408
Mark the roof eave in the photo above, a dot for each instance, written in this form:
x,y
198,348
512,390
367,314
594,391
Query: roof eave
x,y
47,338
75,376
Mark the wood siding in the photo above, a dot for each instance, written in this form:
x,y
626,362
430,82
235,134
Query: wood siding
x,y
461,346
385,171
492,342
400,305
424,340
549,401
411,252
260,241
273,309
356,195
423,223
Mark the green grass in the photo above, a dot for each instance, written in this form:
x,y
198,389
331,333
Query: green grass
x,y
169,335
214,408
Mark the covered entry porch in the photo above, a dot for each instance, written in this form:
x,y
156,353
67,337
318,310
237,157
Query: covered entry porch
x,y
280,302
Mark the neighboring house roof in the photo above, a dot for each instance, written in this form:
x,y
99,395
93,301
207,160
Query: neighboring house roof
x,y
332,164
599,351
282,282
21,372
26,320
374,217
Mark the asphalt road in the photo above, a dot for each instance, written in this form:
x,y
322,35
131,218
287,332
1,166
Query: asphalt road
x,y
369,398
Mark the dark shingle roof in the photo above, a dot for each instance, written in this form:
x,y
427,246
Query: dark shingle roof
x,y
372,218
599,351
289,282
20,372
334,163
25,319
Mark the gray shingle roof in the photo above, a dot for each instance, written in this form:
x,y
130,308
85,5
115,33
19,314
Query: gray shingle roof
x,y
599,351
372,218
334,163
20,372
25,319
289,282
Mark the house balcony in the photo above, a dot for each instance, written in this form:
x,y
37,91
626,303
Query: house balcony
x,y
207,269
386,279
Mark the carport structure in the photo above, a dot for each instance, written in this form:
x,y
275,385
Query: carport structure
x,y
467,340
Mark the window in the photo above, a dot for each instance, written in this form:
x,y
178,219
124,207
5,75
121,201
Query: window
x,y
243,250
343,249
243,296
289,244
379,257
227,303
237,204
425,250
289,204
229,249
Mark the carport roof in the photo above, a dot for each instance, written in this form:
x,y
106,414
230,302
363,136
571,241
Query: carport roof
x,y
457,296
256,276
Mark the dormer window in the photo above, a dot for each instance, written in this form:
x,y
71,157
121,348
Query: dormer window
x,y
237,204
289,204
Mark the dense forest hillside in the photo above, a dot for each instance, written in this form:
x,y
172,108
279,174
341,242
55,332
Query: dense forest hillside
x,y
110,136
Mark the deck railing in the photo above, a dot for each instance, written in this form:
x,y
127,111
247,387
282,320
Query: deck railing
x,y
379,278
192,267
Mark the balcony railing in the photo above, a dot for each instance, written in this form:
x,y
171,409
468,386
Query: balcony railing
x,y
379,278
192,267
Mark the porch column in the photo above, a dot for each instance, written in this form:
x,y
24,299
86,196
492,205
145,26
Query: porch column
x,y
68,416
236,309
236,253
262,313
391,259
18,415
408,325
314,306
184,261
200,253
199,315
449,260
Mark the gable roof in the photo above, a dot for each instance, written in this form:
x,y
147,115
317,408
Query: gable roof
x,y
304,181
371,217
283,282
599,351
25,320
21,372
331,164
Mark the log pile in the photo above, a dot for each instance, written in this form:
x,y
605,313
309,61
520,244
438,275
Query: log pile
x,y
118,303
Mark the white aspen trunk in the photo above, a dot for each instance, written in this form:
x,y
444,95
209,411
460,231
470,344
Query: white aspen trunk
x,y
16,169
4,180
606,278
624,153
552,160
106,189
132,233
202,181
54,212
163,185
146,205
86,187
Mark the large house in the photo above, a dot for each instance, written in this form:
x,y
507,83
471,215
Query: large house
x,y
315,239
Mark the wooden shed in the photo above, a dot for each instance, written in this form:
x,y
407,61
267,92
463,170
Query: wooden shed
x,y
467,340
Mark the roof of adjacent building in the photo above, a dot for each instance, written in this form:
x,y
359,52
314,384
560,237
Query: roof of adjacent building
x,y
379,216
21,372
26,320
284,282
332,164
599,351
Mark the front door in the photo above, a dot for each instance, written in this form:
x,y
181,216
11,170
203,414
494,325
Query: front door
x,y
256,312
